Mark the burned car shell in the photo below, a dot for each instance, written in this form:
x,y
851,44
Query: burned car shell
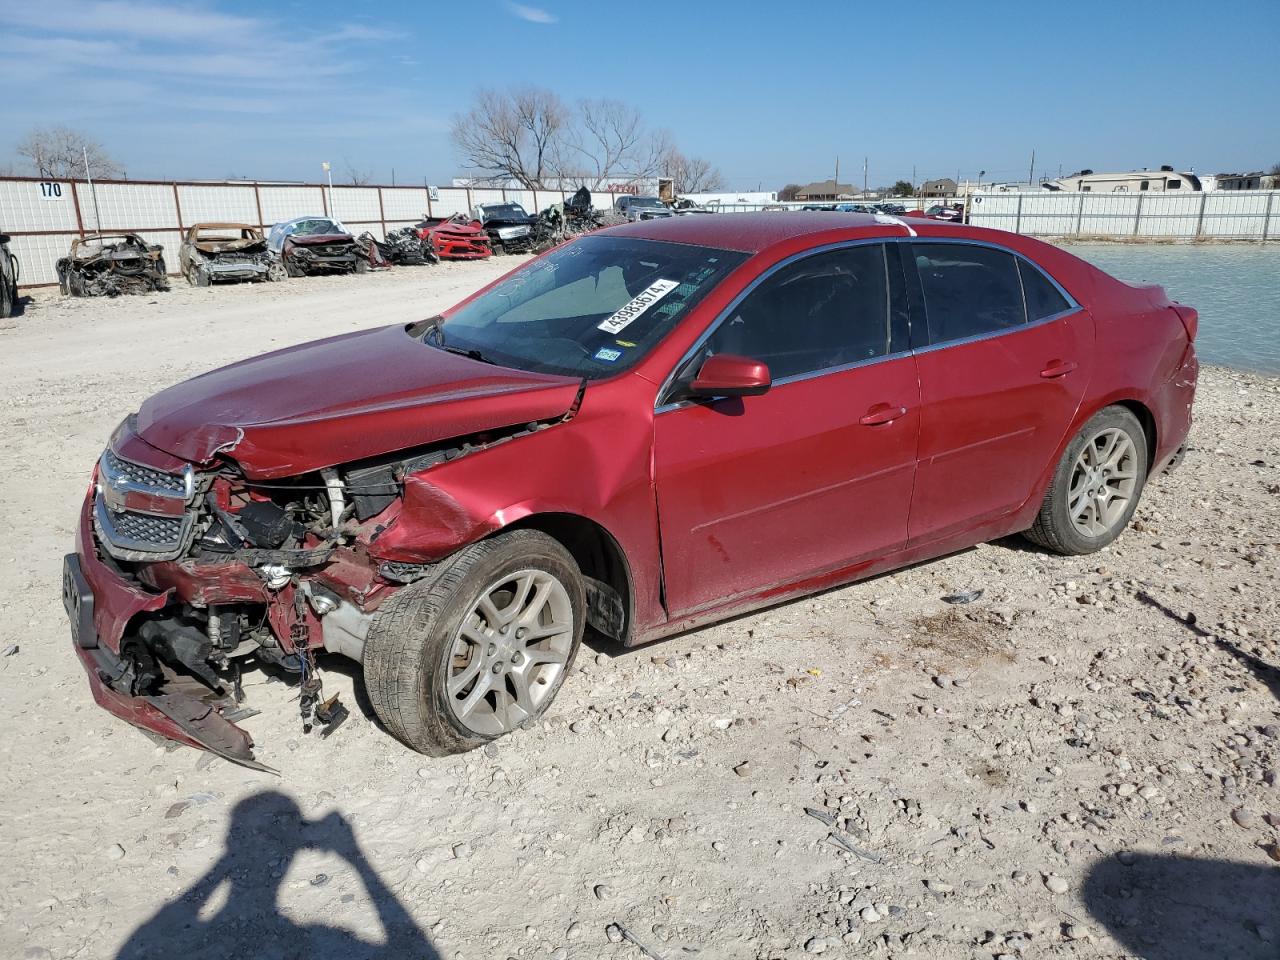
x,y
9,272
227,251
509,226
315,245
439,451
111,265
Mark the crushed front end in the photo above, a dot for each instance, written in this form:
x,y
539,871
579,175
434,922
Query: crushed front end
x,y
180,575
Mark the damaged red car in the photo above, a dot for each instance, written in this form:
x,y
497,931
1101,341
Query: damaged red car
x,y
646,429
459,237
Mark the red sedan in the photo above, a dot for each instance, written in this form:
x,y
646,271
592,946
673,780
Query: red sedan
x,y
652,427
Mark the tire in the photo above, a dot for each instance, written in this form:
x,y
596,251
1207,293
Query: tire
x,y
64,285
361,266
1100,522
417,638
200,277
276,273
7,296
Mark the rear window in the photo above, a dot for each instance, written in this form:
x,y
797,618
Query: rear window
x,y
1043,298
969,290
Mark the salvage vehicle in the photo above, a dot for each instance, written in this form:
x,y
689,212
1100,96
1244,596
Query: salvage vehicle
x,y
458,237
227,251
110,265
9,272
649,428
509,227
312,245
406,247
642,208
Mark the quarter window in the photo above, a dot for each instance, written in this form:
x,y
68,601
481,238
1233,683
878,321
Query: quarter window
x,y
969,290
1042,297
827,310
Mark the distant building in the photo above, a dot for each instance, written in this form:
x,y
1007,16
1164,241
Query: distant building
x,y
1248,181
1133,181
826,190
943,189
721,198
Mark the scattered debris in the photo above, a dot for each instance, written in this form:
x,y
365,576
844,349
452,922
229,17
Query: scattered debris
x,y
966,596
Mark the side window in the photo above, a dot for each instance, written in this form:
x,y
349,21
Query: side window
x,y
1043,298
824,311
968,290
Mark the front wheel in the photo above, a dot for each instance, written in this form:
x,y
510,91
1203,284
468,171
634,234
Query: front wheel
x,y
479,650
1096,486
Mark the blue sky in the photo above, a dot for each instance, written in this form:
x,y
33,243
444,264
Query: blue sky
x,y
768,92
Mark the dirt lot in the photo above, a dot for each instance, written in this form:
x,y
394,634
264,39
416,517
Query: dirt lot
x,y
1064,767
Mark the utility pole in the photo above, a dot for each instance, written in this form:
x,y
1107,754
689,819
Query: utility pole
x,y
329,172
1031,177
835,184
864,175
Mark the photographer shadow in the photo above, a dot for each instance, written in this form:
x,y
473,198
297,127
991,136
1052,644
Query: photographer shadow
x,y
266,832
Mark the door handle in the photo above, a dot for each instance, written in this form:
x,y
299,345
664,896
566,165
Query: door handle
x,y
881,413
1058,368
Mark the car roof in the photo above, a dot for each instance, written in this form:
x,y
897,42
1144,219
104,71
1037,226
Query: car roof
x,y
754,232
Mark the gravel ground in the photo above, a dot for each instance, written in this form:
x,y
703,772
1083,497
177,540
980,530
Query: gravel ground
x,y
1081,762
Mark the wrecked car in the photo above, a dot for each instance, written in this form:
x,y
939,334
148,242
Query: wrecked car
x,y
458,237
642,208
316,245
509,227
109,265
227,251
647,429
406,247
8,278
573,218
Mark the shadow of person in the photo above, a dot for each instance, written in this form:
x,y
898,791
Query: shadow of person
x,y
1162,907
266,832
1265,672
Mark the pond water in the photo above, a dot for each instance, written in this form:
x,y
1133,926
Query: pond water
x,y
1236,288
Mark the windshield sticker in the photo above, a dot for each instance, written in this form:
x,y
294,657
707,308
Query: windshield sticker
x,y
633,310
607,355
624,343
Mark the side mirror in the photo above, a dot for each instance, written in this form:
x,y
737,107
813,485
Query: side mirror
x,y
728,375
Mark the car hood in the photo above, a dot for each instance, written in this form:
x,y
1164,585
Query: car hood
x,y
311,240
510,222
343,399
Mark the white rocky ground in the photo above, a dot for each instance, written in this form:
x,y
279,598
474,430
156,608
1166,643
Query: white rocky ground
x,y
1061,768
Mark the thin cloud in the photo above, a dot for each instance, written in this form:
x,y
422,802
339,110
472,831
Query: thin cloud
x,y
532,14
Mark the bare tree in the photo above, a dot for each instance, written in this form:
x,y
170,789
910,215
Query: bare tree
x,y
691,174
517,135
1275,170
59,154
788,193
358,178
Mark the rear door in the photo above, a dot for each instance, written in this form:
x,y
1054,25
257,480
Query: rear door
x,y
1006,363
815,474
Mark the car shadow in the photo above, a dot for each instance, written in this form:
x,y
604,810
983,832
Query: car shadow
x,y
1265,672
1164,907
266,832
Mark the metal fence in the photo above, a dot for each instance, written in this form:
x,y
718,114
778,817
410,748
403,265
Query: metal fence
x,y
1219,214
42,217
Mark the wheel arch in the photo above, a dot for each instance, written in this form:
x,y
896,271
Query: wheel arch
x,y
597,552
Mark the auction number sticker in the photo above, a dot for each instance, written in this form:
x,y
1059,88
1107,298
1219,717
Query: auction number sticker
x,y
633,310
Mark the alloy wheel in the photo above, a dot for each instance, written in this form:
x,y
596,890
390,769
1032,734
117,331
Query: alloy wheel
x,y
510,651
1103,482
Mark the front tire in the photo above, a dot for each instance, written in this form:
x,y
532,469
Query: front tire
x,y
480,649
1096,486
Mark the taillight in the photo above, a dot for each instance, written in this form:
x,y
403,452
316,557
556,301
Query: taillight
x,y
1190,318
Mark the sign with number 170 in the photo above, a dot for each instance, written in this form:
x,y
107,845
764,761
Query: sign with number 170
x,y
50,191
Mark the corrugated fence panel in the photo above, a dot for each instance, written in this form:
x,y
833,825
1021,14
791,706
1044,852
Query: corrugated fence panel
x,y
479,196
525,198
452,200
171,240
1169,214
356,203
997,210
1241,213
38,255
127,206
1108,214
217,204
28,205
285,203
404,203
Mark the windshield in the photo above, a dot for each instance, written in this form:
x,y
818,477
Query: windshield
x,y
315,228
503,211
646,202
588,309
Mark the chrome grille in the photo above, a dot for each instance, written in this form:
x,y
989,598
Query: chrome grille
x,y
141,513
136,473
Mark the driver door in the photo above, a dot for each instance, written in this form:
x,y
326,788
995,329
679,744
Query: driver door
x,y
816,474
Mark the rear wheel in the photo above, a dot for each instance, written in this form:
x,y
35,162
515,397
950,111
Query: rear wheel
x,y
1096,486
479,650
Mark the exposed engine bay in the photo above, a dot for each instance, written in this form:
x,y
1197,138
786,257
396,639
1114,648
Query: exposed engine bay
x,y
227,251
249,571
109,265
